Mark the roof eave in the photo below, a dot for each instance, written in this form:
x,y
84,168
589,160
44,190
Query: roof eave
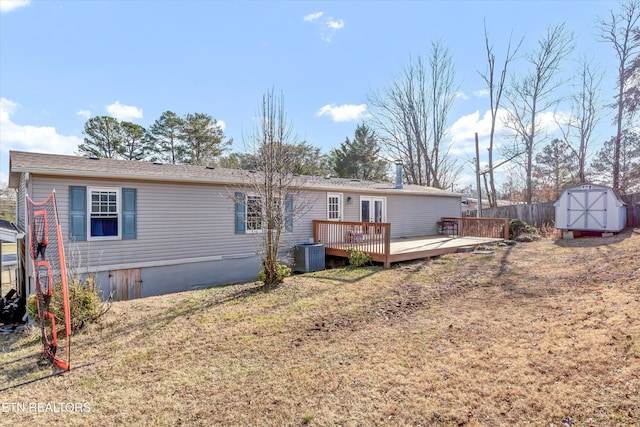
x,y
14,179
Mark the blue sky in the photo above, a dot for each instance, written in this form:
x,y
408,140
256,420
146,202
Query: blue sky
x,y
62,62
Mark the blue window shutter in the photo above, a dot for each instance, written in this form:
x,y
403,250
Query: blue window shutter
x,y
288,212
129,213
77,213
240,213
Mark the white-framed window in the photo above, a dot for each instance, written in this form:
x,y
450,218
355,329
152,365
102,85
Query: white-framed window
x,y
334,206
105,222
253,219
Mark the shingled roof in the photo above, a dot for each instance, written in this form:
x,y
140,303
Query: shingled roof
x,y
77,166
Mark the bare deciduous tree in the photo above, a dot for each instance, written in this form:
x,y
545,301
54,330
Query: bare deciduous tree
x,y
496,89
534,93
621,30
585,114
410,115
275,194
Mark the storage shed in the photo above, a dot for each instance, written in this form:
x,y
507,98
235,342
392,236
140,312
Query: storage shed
x,y
590,208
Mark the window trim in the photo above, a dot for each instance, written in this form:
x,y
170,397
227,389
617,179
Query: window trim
x,y
118,191
247,230
340,206
372,200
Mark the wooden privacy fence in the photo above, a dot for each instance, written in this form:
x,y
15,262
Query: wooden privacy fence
x,y
538,214
495,228
633,209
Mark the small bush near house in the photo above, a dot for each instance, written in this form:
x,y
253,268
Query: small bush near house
x,y
358,258
283,272
84,303
518,227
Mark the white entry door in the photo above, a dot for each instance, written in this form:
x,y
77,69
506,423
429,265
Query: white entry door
x,y
334,206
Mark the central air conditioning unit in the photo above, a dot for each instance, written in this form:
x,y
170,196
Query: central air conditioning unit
x,y
308,257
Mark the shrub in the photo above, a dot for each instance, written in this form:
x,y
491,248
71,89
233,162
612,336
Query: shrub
x,y
517,227
282,272
358,258
84,303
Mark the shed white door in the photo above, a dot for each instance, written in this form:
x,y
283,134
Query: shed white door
x,y
587,210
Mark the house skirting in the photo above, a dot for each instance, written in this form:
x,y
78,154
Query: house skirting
x,y
140,282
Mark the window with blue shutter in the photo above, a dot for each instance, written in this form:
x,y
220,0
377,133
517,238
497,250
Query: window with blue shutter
x,y
96,213
77,213
240,213
129,213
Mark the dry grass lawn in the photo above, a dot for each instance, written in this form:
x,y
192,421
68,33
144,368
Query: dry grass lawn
x,y
535,334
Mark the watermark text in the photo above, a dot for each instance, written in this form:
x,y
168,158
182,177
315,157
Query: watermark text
x,y
45,407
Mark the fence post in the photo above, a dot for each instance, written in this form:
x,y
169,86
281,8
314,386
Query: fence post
x,y
387,247
506,229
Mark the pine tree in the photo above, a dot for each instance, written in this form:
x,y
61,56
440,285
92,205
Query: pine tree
x,y
629,165
203,139
136,144
555,168
360,158
165,133
103,138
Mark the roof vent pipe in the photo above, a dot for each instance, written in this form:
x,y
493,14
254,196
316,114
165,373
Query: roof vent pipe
x,y
399,174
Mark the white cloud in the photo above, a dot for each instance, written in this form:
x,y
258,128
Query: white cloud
x,y
9,5
327,27
313,16
84,113
548,120
344,113
335,25
7,107
123,112
42,139
221,124
461,95
463,132
481,93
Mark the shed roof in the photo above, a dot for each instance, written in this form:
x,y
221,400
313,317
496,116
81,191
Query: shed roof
x,y
77,166
589,187
8,231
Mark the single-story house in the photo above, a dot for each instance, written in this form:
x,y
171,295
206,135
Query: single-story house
x,y
150,229
470,204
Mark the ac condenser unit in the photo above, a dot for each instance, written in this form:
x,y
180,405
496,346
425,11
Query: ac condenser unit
x,y
308,257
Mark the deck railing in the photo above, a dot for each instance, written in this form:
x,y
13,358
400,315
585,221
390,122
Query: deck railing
x,y
496,228
339,237
374,238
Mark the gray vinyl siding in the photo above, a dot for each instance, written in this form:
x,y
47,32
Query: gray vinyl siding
x,y
175,221
409,214
417,215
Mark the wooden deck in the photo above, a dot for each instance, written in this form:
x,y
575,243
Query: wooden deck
x,y
374,239
405,249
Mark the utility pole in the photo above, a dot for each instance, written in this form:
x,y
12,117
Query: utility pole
x,y
479,207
